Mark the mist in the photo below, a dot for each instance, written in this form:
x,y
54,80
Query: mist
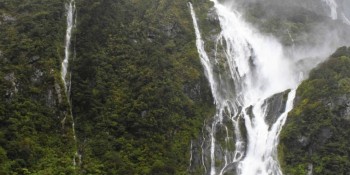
x,y
309,30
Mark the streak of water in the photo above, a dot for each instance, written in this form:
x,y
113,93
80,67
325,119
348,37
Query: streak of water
x,y
65,75
333,8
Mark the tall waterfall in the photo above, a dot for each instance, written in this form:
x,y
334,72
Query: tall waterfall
x,y
246,72
332,4
335,12
65,75
65,63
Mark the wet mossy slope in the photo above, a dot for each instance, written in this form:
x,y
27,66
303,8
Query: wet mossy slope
x,y
34,137
138,89
316,135
139,95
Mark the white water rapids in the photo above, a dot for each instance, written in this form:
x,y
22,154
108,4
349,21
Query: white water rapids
x,y
258,68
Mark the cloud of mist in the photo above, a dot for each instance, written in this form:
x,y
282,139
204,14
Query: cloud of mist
x,y
320,34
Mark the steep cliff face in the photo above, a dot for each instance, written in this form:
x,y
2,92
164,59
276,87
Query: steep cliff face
x,y
140,100
138,92
315,139
33,135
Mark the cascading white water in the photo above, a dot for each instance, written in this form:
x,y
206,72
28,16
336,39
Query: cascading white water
x,y
335,11
65,63
223,105
333,8
66,77
259,69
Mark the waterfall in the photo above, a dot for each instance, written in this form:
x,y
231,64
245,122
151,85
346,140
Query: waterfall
x,y
256,70
223,106
70,8
345,19
65,75
333,8
334,11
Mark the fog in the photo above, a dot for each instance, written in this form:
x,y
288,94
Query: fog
x,y
322,25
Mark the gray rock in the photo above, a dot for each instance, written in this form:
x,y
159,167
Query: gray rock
x,y
144,113
346,113
325,134
8,18
303,140
275,105
224,149
34,59
58,92
212,16
340,104
11,78
171,29
192,91
309,169
36,78
50,100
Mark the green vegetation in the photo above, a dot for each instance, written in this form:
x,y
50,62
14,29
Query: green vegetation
x,y
139,96
138,92
317,130
33,140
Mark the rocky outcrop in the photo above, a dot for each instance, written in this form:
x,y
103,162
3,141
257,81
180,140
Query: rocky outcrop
x,y
13,84
275,106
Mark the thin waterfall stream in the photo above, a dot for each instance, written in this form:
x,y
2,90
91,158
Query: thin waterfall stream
x,y
257,71
333,8
65,74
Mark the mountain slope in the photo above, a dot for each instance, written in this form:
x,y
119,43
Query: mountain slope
x,y
316,135
34,137
139,94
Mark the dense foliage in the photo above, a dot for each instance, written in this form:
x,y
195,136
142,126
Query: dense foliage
x,y
139,94
33,138
316,135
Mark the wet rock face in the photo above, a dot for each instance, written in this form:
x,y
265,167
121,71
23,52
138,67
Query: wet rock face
x,y
275,106
201,150
303,140
58,92
8,18
36,77
193,91
340,104
171,29
213,16
10,92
